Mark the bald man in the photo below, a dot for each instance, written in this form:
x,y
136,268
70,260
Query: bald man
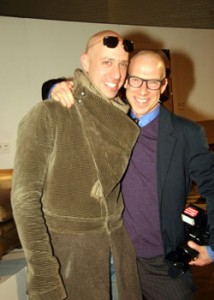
x,y
171,153
66,196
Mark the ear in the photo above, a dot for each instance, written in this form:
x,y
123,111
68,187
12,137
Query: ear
x,y
164,85
85,61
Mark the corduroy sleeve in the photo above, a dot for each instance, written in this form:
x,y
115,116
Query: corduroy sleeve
x,y
34,147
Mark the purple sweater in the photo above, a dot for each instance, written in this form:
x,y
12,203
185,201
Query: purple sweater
x,y
139,188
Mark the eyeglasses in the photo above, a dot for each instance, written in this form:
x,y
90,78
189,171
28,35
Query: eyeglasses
x,y
112,42
151,84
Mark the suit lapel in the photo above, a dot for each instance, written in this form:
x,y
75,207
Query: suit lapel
x,y
165,147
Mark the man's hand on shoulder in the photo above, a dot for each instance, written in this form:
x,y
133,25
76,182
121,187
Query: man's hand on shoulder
x,y
62,92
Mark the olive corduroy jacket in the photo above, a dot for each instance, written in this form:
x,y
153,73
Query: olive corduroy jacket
x,y
66,198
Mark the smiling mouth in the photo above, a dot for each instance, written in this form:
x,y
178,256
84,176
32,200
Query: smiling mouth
x,y
111,85
141,100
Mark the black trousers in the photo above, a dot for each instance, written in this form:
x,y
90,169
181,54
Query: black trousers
x,y
156,284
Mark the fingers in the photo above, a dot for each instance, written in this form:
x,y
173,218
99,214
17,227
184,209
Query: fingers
x,y
203,258
193,261
62,92
70,84
64,97
196,247
193,245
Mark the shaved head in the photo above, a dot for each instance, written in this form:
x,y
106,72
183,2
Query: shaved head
x,y
149,57
146,65
99,36
106,66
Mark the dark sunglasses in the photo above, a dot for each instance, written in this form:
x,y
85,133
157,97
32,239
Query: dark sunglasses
x,y
112,42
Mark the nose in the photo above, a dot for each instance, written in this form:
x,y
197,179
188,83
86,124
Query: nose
x,y
143,88
116,72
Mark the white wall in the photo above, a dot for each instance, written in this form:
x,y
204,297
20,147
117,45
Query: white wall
x,y
33,51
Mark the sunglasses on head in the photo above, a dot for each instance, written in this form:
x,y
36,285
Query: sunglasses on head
x,y
112,42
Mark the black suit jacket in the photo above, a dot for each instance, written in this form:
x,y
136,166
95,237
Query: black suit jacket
x,y
183,156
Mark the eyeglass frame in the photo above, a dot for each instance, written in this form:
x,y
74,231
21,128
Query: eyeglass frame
x,y
146,81
125,43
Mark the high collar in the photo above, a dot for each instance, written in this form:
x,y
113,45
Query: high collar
x,y
82,76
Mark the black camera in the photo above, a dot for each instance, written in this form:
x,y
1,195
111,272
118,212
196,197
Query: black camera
x,y
196,230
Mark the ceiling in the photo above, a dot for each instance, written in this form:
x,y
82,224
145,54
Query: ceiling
x,y
164,13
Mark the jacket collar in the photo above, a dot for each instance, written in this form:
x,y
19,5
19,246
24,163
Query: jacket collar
x,y
165,147
82,76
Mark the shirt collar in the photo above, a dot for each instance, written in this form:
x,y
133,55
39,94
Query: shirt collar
x,y
147,118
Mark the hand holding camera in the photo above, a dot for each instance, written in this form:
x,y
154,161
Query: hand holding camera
x,y
196,230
